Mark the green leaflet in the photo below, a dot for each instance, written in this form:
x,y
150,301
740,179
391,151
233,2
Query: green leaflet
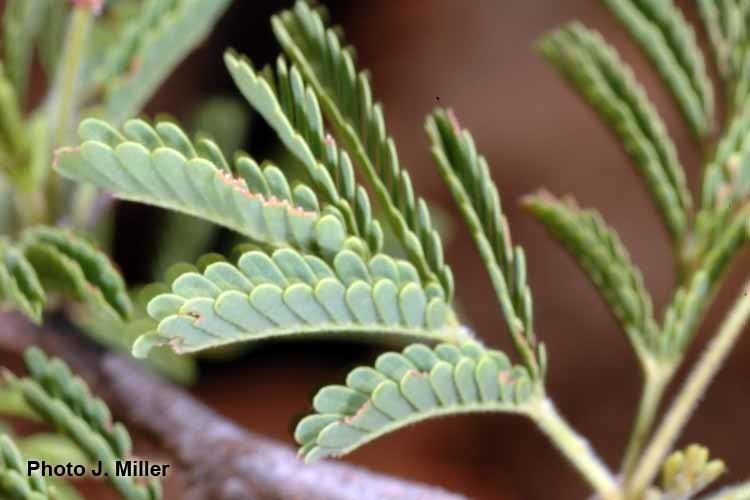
x,y
15,482
346,99
19,283
599,252
409,387
594,69
161,166
467,175
65,402
726,179
686,473
663,33
66,262
292,110
163,38
288,294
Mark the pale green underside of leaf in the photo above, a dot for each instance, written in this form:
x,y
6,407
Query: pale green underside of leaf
x,y
661,30
15,482
467,175
601,255
346,99
290,294
161,44
65,402
160,166
292,110
409,387
595,71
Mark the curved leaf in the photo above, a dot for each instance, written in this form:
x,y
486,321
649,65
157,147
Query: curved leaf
x,y
468,177
594,69
64,401
346,99
292,294
402,389
64,261
160,166
599,252
15,481
663,33
19,283
291,109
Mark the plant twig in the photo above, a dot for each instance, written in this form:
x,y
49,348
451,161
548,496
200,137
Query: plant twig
x,y
577,450
685,402
655,380
220,460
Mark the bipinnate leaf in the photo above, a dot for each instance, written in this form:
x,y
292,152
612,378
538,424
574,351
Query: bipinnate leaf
x,y
163,34
601,255
288,293
346,99
65,403
688,472
161,166
291,109
664,34
467,175
408,387
15,482
596,72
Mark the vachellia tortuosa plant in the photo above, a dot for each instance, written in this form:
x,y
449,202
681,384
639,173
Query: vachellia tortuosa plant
x,y
315,265
103,60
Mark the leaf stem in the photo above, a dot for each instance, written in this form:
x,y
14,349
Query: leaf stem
x,y
63,97
656,377
576,449
687,399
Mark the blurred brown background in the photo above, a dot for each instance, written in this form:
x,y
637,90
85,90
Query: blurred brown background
x,y
477,58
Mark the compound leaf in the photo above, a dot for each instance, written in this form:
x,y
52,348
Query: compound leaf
x,y
601,255
408,387
346,99
161,166
288,293
594,69
467,175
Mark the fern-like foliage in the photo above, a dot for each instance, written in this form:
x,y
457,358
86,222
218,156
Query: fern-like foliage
x,y
289,293
346,100
161,166
667,38
467,175
594,69
48,260
291,108
686,473
15,482
149,47
408,387
599,252
64,401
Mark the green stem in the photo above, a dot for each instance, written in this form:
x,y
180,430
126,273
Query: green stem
x,y
64,94
655,380
685,402
576,449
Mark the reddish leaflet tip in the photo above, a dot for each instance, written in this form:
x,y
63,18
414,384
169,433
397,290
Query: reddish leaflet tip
x,y
454,122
